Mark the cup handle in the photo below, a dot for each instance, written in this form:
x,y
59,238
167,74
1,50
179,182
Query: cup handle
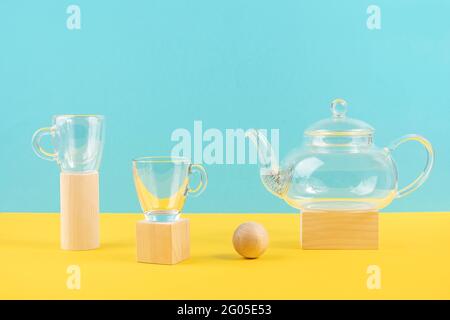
x,y
413,186
203,180
36,142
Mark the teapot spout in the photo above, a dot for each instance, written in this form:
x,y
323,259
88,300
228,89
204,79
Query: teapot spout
x,y
274,179
266,156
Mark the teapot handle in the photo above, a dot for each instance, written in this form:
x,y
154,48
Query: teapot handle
x,y
413,186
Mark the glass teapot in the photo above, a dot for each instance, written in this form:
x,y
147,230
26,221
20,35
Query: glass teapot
x,y
338,168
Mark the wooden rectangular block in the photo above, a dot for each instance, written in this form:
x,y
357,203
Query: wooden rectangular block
x,y
162,243
339,230
80,226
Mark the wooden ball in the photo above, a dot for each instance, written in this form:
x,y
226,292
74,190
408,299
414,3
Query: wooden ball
x,y
250,240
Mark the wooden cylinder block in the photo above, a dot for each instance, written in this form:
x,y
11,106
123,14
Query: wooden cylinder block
x,y
79,211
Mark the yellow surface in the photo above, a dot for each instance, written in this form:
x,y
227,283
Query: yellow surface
x,y
414,260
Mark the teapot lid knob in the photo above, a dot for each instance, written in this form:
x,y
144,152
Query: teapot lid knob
x,y
339,124
339,108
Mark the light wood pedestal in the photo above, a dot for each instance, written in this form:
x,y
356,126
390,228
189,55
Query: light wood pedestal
x,y
162,243
339,230
79,211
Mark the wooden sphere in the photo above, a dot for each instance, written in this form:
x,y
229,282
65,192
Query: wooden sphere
x,y
250,240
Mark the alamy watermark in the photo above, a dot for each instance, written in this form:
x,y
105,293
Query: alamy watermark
x,y
221,147
73,21
73,281
374,19
374,278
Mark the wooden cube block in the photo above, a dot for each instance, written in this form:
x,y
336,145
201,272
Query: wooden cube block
x,y
339,230
162,243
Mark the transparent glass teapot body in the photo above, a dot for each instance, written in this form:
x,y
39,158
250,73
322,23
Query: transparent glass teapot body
x,y
77,141
338,167
327,178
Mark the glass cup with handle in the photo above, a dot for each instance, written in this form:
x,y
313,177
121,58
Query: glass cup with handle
x,y
77,148
162,185
77,142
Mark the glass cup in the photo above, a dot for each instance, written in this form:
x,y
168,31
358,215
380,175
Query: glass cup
x,y
77,141
162,184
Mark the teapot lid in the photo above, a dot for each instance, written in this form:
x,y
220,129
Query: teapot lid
x,y
339,124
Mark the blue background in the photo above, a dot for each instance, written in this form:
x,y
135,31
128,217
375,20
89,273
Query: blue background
x,y
153,66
